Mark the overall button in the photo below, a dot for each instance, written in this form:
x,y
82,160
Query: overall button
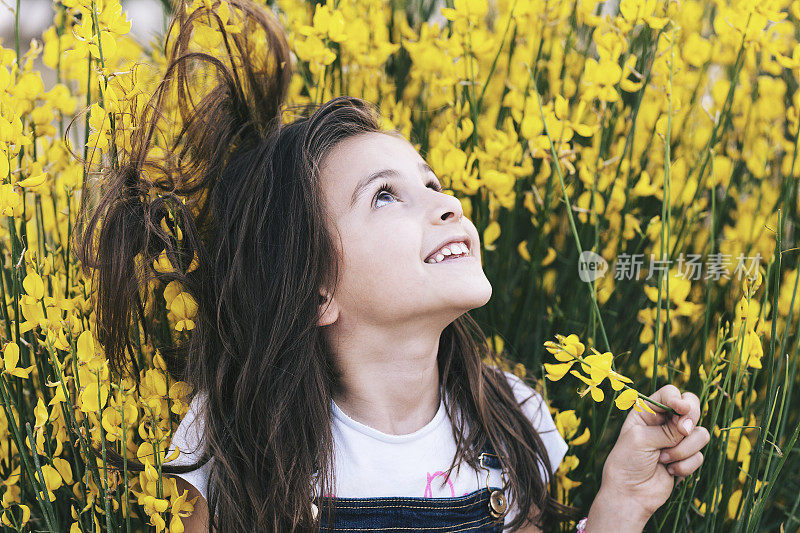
x,y
497,503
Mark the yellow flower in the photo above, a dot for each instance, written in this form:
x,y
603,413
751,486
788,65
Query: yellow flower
x,y
331,25
10,200
312,49
87,354
466,11
181,305
9,520
567,424
490,234
635,10
163,265
33,181
597,393
736,497
601,78
753,351
599,367
630,397
64,469
10,360
58,395
181,507
569,348
52,480
93,397
100,125
34,286
40,414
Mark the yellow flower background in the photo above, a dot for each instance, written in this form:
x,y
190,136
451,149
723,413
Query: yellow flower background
x,y
659,129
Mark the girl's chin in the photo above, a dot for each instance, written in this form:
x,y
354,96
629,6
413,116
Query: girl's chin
x,y
475,292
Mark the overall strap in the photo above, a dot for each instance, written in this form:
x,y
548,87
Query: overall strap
x,y
498,505
488,458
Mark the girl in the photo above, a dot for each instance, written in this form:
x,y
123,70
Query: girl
x,y
339,380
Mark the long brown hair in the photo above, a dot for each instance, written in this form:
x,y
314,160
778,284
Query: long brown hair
x,y
242,187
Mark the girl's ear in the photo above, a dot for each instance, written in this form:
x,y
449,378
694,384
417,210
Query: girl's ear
x,y
328,309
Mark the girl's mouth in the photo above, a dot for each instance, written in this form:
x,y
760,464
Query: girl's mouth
x,y
458,258
450,252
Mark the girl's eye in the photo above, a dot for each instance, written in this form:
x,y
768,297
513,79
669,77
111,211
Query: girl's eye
x,y
387,188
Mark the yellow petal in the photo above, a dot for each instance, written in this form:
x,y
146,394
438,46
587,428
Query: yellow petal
x,y
64,469
11,355
92,398
33,285
597,394
163,265
642,406
21,372
626,399
561,107
557,371
85,346
490,234
58,397
40,413
33,181
583,439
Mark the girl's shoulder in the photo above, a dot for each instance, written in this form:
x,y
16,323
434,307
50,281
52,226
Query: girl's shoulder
x,y
189,432
524,392
188,439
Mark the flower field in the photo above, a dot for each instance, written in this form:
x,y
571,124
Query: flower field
x,y
631,167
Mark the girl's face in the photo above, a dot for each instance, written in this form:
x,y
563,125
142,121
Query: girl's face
x,y
390,216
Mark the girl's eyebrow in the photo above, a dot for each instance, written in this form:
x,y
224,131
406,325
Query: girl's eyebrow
x,y
380,174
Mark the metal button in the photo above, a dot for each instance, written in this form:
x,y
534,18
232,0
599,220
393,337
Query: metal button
x,y
497,503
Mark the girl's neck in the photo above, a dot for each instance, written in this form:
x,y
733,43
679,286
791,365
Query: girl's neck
x,y
396,402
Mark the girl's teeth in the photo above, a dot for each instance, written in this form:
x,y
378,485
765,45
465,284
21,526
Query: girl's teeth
x,y
452,249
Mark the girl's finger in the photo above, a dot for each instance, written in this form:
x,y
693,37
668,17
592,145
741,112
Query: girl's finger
x,y
687,466
668,395
698,438
689,420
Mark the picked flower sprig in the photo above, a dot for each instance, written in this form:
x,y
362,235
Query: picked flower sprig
x,y
596,367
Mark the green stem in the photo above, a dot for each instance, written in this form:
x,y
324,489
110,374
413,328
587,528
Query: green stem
x,y
569,210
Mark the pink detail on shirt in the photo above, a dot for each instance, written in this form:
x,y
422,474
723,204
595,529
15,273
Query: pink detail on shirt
x,y
429,490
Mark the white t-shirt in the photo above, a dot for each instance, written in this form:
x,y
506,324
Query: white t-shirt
x,y
369,463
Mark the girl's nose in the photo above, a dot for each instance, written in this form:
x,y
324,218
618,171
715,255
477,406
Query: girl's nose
x,y
448,207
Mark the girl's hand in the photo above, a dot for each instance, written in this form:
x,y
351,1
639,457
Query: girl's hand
x,y
654,449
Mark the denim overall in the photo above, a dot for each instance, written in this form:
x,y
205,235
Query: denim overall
x,y
480,511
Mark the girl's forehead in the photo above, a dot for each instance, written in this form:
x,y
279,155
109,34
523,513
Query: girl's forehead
x,y
366,150
347,168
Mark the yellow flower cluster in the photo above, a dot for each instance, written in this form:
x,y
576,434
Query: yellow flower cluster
x,y
596,368
674,126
